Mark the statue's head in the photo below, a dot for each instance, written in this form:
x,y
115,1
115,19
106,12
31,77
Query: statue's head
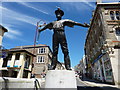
x,y
59,13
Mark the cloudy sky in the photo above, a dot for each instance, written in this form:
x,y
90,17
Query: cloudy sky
x,y
20,19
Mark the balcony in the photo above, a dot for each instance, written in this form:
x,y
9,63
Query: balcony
x,y
16,63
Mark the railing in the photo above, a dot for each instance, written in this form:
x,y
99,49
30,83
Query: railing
x,y
16,64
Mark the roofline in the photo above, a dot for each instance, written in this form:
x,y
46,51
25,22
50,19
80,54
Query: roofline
x,y
23,50
3,28
113,3
32,46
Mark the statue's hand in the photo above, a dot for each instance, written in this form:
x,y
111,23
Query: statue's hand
x,y
39,30
86,25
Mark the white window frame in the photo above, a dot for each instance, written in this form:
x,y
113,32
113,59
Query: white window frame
x,y
40,59
117,16
114,15
117,35
41,50
116,31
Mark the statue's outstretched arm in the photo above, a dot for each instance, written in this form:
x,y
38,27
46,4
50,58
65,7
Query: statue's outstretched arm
x,y
71,23
83,25
48,26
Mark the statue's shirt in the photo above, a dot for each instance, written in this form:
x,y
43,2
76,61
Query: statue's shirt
x,y
59,25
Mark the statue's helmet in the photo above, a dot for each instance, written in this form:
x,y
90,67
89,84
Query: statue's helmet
x,y
59,13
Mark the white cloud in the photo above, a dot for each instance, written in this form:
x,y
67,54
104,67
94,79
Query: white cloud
x,y
15,32
78,6
11,18
88,3
27,5
12,15
12,34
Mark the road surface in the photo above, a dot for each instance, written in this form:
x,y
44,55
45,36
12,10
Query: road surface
x,y
83,86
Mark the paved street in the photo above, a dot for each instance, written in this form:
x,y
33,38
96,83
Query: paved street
x,y
81,85
80,82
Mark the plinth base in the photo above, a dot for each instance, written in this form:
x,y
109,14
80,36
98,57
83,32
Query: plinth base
x,y
60,79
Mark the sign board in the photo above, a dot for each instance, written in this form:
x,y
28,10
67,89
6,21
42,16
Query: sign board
x,y
3,54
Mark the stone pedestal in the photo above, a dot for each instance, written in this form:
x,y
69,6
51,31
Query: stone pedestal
x,y
61,79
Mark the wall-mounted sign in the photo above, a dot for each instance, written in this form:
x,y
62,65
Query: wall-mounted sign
x,y
3,54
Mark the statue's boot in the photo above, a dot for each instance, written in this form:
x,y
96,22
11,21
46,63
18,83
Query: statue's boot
x,y
67,63
54,63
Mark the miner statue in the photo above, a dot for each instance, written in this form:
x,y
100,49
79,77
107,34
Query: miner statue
x,y
60,38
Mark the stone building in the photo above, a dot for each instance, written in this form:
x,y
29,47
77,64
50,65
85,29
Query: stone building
x,y
102,46
2,31
42,61
17,64
2,54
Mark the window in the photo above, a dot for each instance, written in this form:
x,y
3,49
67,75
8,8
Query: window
x,y
40,59
118,31
17,56
112,15
41,50
9,56
117,15
27,62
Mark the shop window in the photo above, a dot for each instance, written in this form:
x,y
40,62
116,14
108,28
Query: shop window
x,y
5,73
40,59
25,74
41,50
112,15
117,15
118,31
14,74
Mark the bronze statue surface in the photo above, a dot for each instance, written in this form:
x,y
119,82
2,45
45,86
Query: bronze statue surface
x,y
59,37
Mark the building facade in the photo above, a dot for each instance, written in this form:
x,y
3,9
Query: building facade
x,y
102,46
82,66
42,61
17,64
2,31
